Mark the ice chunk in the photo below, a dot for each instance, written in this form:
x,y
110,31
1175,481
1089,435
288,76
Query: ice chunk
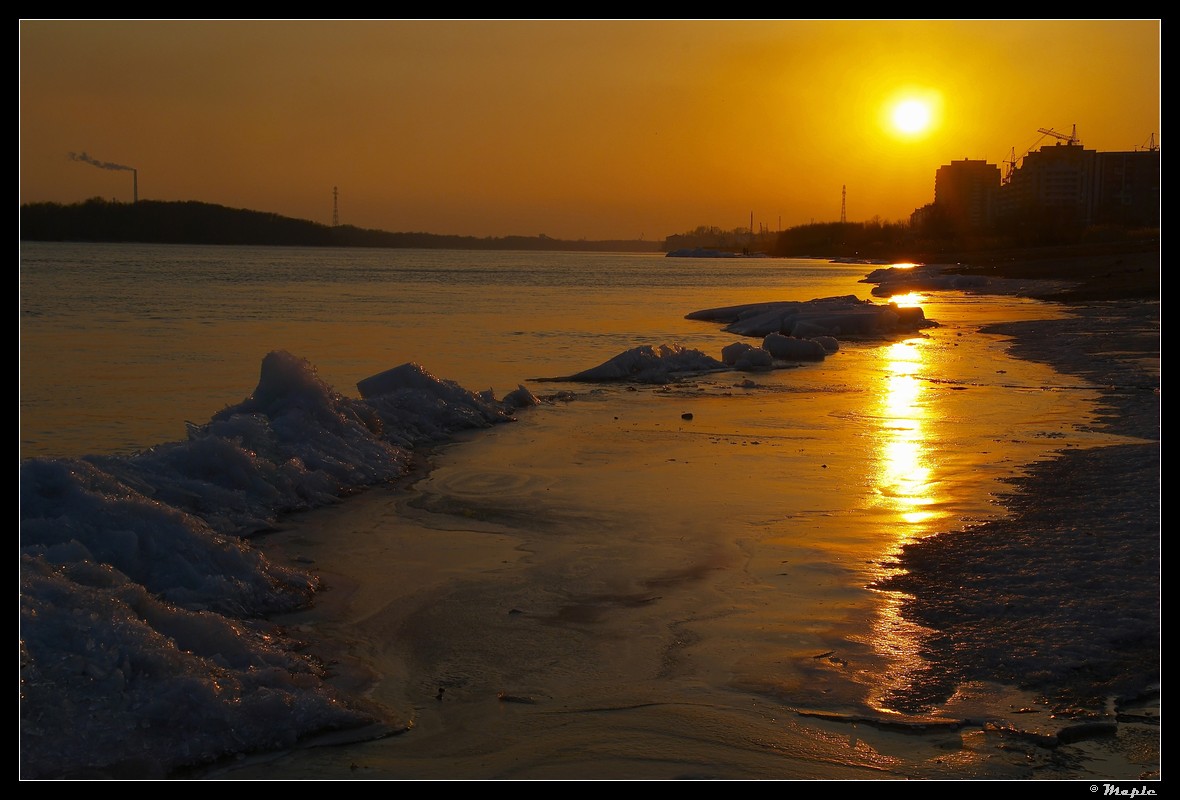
x,y
651,364
790,348
745,357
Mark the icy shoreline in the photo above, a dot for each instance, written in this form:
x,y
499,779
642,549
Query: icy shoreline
x,y
296,444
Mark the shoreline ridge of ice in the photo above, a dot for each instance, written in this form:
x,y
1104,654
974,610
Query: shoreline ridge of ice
x,y
144,646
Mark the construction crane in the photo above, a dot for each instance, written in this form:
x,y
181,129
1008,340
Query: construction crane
x,y
1010,166
1068,139
1150,145
1012,162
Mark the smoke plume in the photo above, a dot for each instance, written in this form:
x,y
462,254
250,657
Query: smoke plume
x,y
100,164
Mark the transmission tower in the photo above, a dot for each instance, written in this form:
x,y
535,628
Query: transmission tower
x,y
335,207
843,204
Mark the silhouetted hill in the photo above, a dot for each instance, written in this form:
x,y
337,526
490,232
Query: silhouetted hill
x,y
191,222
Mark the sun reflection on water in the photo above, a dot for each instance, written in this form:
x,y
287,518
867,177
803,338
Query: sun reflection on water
x,y
903,477
908,300
905,485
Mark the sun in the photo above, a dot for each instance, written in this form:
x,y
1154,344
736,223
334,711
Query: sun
x,y
911,116
912,113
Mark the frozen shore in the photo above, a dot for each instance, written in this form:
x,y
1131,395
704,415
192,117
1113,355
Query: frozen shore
x,y
1042,628
438,606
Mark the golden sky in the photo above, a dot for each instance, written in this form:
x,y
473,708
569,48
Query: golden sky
x,y
573,129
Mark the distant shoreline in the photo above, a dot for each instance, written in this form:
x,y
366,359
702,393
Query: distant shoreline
x,y
1134,262
191,222
1093,272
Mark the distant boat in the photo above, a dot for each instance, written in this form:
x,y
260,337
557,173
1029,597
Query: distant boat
x,y
854,260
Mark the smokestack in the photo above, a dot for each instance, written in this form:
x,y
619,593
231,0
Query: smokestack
x,y
84,158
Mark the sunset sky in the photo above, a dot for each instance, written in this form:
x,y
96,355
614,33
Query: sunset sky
x,y
573,129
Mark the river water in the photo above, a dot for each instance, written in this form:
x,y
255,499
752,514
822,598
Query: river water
x,y
656,581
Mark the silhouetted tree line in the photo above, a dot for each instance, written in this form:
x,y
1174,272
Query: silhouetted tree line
x,y
844,239
935,237
191,222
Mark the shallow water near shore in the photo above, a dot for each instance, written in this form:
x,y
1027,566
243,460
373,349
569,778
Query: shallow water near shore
x,y
607,589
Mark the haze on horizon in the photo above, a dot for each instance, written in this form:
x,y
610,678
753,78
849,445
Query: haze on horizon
x,y
573,129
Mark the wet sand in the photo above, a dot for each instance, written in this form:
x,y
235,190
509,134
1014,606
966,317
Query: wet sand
x,y
512,631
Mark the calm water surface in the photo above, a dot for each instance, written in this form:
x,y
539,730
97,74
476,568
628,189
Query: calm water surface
x,y
120,344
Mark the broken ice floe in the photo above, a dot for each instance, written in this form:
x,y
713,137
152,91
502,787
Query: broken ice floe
x,y
838,317
919,278
792,332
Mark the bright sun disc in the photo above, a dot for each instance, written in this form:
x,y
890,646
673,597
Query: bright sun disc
x,y
911,116
911,113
